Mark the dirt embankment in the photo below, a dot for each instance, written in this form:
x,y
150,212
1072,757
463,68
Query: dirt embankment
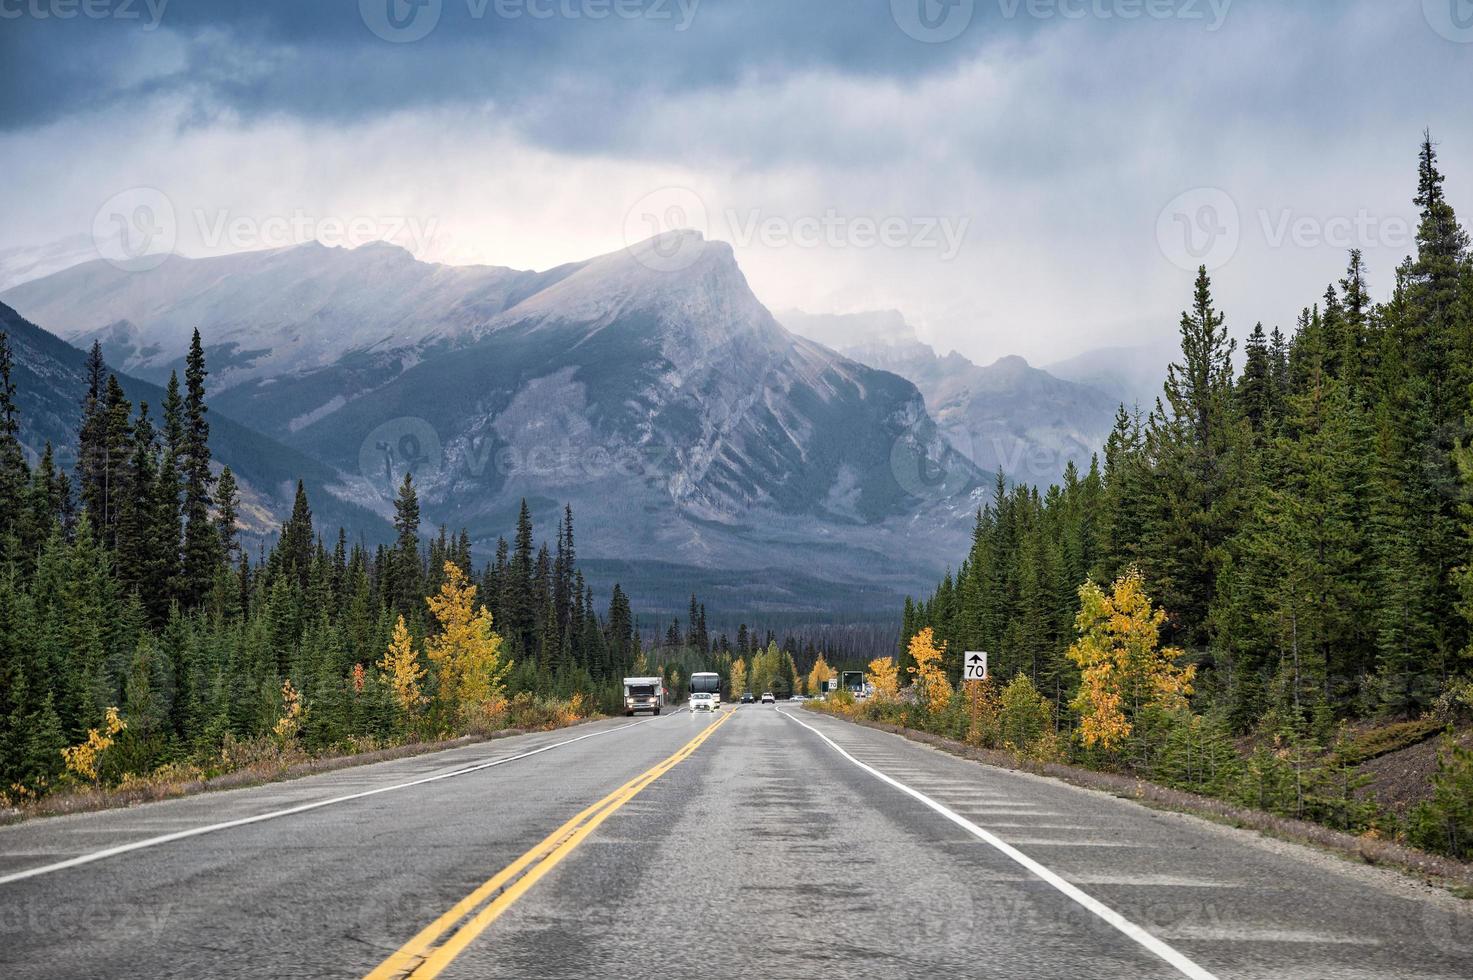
x,y
1401,779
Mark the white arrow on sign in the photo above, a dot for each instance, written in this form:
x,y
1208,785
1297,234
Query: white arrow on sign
x,y
974,665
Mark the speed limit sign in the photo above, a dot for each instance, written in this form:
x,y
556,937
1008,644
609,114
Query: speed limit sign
x,y
974,665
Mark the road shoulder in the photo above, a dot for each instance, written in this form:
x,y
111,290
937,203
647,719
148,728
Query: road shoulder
x,y
1409,870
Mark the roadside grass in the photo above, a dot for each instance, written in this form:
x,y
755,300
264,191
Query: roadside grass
x,y
256,762
1371,743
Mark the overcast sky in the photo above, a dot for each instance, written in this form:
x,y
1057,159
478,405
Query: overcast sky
x,y
1016,176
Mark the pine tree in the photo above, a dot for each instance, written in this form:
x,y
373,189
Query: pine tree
x,y
227,507
14,474
1191,439
201,540
519,601
137,536
92,440
1255,391
407,575
297,536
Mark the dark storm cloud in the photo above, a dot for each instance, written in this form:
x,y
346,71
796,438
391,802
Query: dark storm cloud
x,y
321,59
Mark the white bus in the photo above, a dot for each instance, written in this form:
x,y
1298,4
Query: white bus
x,y
705,691
644,694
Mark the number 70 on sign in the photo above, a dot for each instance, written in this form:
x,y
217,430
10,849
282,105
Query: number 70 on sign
x,y
974,665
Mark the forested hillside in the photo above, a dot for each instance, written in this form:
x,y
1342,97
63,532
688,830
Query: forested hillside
x,y
1303,522
137,633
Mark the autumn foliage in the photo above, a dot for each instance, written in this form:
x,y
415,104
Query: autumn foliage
x,y
465,652
819,675
928,673
402,670
81,760
1123,668
884,678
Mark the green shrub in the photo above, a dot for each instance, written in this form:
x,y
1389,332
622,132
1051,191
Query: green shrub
x,y
1445,822
1025,714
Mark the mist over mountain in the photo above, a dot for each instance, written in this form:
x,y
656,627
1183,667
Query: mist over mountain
x,y
1007,416
24,263
648,387
1130,375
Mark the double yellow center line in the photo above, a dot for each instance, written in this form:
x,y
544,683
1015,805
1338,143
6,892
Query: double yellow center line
x,y
438,943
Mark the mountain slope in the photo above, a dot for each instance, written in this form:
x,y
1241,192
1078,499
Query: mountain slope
x,y
681,420
268,312
1005,416
50,380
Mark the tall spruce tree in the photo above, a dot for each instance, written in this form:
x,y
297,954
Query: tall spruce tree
x,y
14,473
201,539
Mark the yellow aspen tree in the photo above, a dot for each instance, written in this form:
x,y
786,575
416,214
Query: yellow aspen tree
x,y
292,713
403,672
930,676
1123,668
820,673
465,652
884,677
82,759
738,677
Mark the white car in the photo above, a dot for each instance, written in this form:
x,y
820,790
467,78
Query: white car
x,y
767,698
703,702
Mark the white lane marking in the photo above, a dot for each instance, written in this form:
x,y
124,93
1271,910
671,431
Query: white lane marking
x,y
1150,881
1049,842
987,815
1177,959
994,825
139,845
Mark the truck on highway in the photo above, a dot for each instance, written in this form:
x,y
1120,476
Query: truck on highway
x,y
705,691
643,694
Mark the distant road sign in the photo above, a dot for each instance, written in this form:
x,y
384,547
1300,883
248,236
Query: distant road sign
x,y
974,665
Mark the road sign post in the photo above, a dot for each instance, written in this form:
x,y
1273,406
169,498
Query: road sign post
x,y
974,665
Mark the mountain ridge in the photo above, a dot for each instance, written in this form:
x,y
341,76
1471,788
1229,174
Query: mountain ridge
x,y
648,387
1007,416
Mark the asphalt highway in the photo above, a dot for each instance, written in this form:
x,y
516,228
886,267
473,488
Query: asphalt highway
x,y
759,843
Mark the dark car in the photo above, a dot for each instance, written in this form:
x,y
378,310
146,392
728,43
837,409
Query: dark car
x,y
747,698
